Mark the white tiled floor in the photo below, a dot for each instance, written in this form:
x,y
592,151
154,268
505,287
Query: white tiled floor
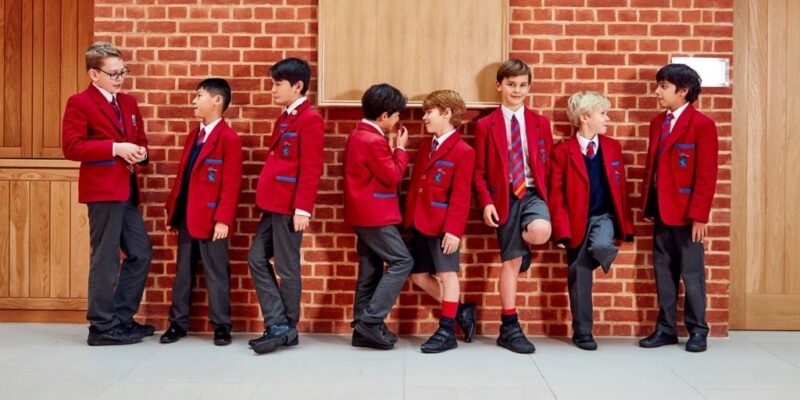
x,y
52,361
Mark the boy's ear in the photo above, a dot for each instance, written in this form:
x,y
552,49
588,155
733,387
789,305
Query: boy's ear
x,y
682,91
583,118
383,116
93,74
498,86
298,86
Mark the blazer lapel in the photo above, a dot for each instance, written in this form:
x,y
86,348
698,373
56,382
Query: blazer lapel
x,y
577,158
211,141
613,176
681,126
443,149
105,107
287,124
532,136
500,139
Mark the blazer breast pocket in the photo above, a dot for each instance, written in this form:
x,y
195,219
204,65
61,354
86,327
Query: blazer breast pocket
x,y
211,170
288,145
442,173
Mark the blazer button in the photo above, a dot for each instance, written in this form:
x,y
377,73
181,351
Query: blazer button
x,y
424,177
272,153
420,190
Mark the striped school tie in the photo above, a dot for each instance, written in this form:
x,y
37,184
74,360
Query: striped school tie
x,y
434,146
517,160
590,150
666,129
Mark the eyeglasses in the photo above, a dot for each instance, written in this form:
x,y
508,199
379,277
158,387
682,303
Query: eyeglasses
x,y
116,75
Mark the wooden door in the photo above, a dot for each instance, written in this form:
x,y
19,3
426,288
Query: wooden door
x,y
44,245
765,292
42,45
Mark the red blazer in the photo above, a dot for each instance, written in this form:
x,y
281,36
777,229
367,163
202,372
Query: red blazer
x,y
492,177
88,130
687,169
291,172
439,196
214,182
569,191
372,174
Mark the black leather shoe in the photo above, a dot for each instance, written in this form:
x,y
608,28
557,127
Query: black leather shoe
x,y
658,339
143,329
696,343
172,334
275,336
222,336
441,340
389,335
294,342
512,338
117,335
360,341
466,320
373,332
584,342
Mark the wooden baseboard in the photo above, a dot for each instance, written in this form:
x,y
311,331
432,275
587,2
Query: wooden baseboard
x,y
63,317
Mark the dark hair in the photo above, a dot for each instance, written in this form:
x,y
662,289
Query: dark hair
x,y
293,70
217,87
682,76
382,98
511,68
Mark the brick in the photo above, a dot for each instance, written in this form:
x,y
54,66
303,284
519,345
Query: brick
x,y
612,46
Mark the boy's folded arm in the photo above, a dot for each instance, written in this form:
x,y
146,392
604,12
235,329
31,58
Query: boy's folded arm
x,y
387,166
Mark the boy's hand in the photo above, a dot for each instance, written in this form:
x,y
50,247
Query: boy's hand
x,y
141,154
170,228
490,216
129,152
220,231
699,231
402,137
449,244
648,219
300,222
561,246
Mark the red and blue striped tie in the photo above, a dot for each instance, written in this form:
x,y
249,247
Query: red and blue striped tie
x,y
666,128
517,160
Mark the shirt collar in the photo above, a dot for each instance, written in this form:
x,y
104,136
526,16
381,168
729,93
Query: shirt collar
x,y
105,93
295,104
207,129
677,113
507,113
444,137
585,142
372,124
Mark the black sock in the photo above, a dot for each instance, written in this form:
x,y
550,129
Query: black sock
x,y
509,319
447,324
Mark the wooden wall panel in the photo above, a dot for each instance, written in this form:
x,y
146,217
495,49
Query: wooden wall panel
x,y
61,203
45,262
79,246
40,239
33,94
5,262
765,281
432,55
19,235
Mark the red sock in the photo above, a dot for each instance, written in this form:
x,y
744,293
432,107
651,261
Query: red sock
x,y
509,311
449,309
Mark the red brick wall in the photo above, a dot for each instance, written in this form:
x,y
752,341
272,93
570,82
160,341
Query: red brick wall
x,y
613,46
